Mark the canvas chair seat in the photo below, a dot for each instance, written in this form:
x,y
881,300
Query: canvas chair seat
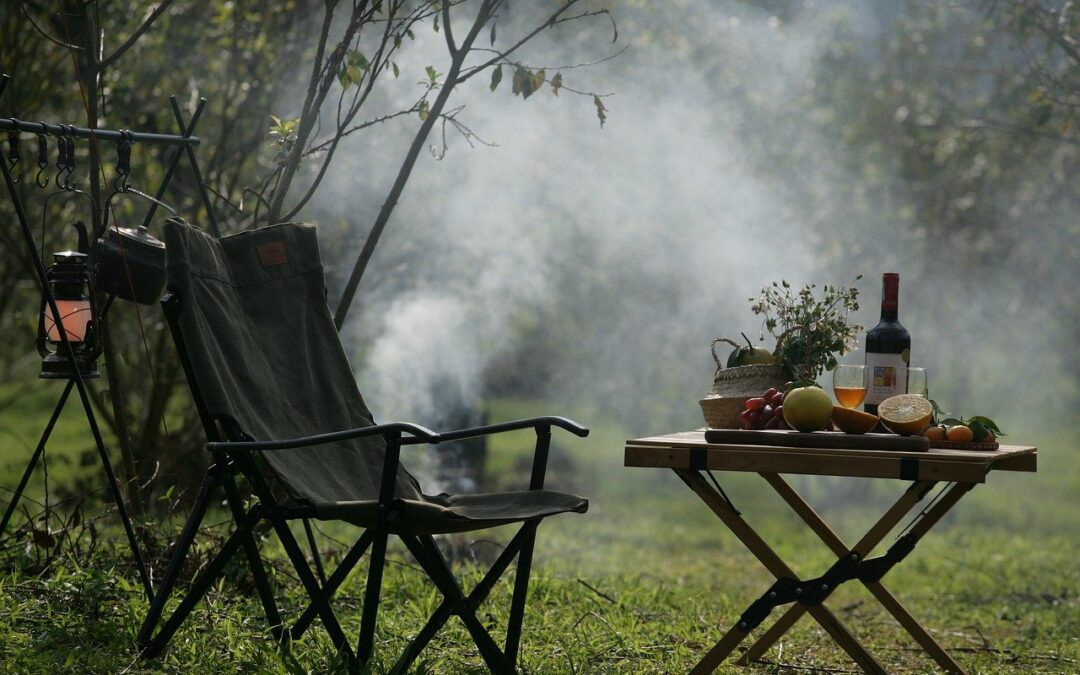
x,y
282,411
444,513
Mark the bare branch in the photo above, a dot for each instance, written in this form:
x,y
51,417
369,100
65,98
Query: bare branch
x,y
378,64
447,32
43,32
453,78
551,21
571,66
143,27
313,87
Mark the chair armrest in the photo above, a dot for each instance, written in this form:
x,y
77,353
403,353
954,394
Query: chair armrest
x,y
529,423
420,433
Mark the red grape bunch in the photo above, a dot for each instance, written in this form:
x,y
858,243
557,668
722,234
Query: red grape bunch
x,y
765,411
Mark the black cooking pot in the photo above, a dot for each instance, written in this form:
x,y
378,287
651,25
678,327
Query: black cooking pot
x,y
130,264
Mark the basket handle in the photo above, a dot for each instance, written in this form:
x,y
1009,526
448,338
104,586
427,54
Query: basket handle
x,y
712,348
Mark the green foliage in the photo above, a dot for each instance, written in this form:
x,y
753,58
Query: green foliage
x,y
809,331
352,68
282,134
601,111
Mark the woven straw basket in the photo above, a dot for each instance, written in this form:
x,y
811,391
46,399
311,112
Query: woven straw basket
x,y
732,386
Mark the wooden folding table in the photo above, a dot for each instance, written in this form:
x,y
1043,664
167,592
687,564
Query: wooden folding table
x,y
692,458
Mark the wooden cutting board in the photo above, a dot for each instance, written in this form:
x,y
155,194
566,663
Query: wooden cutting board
x,y
818,439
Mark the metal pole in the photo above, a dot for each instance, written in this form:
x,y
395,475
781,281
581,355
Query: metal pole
x,y
39,268
187,130
35,457
207,204
12,124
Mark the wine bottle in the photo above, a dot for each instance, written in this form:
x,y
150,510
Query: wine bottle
x,y
888,348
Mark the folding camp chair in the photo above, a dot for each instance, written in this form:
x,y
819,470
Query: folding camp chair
x,y
282,411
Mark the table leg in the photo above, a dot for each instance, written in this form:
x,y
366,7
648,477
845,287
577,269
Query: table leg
x,y
880,529
778,568
887,600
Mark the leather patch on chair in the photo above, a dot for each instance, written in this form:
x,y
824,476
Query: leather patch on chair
x,y
273,253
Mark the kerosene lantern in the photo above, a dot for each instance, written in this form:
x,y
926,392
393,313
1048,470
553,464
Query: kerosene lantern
x,y
70,279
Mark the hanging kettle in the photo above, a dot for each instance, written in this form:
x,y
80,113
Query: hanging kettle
x,y
130,264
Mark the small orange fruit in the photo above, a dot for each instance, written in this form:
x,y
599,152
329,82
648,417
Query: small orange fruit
x,y
935,433
989,438
853,421
960,434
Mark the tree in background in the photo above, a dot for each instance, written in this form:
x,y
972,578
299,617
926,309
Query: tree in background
x,y
113,64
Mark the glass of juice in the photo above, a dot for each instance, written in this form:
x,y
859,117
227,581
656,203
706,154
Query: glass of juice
x,y
849,385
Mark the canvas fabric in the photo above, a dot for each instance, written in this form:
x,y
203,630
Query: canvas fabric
x,y
265,353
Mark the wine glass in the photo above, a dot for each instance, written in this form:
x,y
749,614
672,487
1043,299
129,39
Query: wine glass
x,y
916,381
849,385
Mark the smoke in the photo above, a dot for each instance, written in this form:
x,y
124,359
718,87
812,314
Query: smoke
x,y
591,267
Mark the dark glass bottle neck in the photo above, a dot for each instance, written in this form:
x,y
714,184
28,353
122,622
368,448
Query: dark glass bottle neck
x,y
890,296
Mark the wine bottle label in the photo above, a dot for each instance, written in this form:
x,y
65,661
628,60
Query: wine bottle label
x,y
887,375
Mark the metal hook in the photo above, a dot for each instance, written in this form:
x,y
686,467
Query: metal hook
x,y
69,160
61,156
123,162
42,161
130,141
13,152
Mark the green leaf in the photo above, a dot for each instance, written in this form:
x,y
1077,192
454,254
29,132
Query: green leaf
x,y
281,130
517,81
524,82
352,68
424,110
397,71
556,83
986,422
601,111
978,430
496,77
431,73
951,422
938,410
358,59
538,79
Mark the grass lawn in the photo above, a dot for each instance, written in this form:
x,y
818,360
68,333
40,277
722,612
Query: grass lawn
x,y
644,583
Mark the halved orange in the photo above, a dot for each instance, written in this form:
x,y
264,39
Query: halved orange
x,y
906,414
853,421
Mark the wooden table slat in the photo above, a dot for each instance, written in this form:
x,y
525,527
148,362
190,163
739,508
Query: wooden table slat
x,y
689,450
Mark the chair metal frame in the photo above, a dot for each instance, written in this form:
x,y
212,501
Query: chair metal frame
x,y
232,451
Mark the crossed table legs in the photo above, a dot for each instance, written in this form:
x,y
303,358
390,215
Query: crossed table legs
x,y
807,596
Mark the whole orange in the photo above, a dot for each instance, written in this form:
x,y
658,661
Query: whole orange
x,y
960,434
935,433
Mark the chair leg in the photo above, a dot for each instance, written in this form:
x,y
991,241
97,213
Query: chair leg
x,y
202,584
315,557
438,618
365,647
258,572
183,545
296,556
330,587
439,571
521,590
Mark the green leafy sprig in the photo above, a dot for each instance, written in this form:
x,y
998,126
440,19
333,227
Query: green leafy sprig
x,y
810,331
